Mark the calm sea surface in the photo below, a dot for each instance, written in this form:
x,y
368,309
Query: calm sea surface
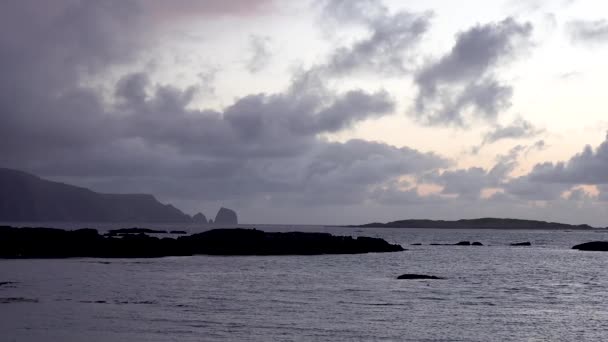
x,y
546,292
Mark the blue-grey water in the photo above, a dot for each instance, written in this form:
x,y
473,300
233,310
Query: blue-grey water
x,y
546,292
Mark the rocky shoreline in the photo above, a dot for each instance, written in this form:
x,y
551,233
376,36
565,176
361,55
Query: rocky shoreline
x,y
59,243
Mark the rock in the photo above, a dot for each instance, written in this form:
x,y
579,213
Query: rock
x,y
123,231
416,244
58,243
463,243
599,246
476,243
409,276
527,243
199,218
226,216
181,232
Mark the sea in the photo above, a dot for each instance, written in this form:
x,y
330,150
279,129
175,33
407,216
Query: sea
x,y
495,292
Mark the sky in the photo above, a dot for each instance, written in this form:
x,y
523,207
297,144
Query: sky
x,y
317,111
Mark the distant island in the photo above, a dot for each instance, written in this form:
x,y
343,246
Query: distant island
x,y
26,197
481,223
23,243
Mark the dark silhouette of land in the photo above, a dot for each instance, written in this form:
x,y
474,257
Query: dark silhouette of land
x,y
481,223
26,197
597,246
58,243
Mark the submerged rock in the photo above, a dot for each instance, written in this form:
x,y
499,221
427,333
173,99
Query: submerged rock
x,y
410,276
226,216
463,243
599,246
527,243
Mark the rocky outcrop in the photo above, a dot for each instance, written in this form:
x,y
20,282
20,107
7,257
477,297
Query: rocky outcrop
x,y
410,276
25,197
58,243
123,231
527,243
226,216
199,218
598,246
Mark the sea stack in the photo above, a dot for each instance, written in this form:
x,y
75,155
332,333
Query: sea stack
x,y
199,218
226,216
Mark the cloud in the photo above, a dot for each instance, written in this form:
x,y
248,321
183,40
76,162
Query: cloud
x,y
586,167
162,10
588,31
142,136
260,53
518,129
388,45
464,80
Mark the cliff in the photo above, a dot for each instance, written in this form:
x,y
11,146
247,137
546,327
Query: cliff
x,y
25,197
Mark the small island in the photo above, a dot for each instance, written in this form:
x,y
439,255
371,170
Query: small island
x,y
480,223
59,243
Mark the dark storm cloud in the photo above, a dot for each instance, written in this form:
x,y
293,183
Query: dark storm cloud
x,y
464,79
589,31
389,41
148,138
260,53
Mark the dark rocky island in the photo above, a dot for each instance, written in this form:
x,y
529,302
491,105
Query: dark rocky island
x,y
597,246
58,243
409,276
525,244
481,223
226,216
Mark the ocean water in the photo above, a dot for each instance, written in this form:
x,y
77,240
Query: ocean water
x,y
546,292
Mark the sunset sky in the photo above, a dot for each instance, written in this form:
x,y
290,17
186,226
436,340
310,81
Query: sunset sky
x,y
315,112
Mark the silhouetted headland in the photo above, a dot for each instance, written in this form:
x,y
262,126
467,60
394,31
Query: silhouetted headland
x,y
58,243
26,197
481,223
597,246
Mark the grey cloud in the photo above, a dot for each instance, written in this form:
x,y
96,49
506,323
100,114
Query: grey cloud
x,y
162,10
464,78
589,31
586,167
468,183
260,53
526,188
388,46
518,129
